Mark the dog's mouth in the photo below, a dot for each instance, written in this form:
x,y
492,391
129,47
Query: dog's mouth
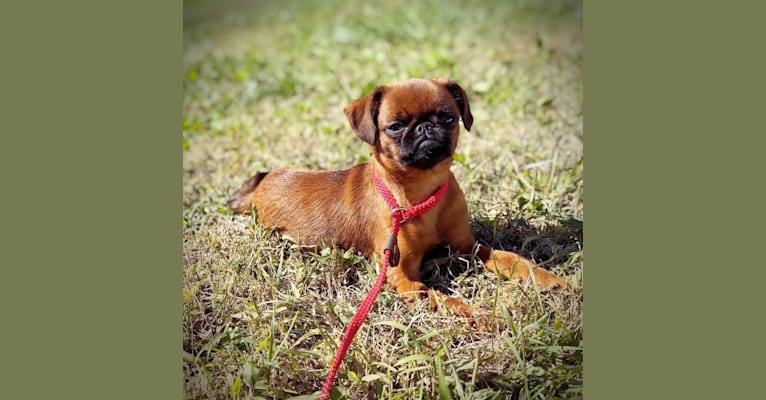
x,y
427,145
426,153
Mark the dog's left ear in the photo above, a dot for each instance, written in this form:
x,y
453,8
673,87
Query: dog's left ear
x,y
362,115
458,94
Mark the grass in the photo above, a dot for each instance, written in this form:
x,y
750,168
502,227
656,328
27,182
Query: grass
x,y
264,86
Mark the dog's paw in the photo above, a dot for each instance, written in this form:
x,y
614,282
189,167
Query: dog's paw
x,y
549,281
451,304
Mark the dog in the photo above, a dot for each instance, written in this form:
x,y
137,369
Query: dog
x,y
412,129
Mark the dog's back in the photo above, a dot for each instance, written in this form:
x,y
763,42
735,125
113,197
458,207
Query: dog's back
x,y
312,207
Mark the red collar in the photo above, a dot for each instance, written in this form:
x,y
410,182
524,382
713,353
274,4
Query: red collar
x,y
400,215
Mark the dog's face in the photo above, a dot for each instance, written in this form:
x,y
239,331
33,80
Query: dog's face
x,y
413,123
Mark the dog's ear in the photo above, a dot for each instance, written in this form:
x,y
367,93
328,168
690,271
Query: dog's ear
x,y
458,94
362,115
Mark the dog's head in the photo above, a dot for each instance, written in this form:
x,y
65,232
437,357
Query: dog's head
x,y
412,123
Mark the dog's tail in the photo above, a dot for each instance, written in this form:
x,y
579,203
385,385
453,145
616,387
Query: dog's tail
x,y
240,202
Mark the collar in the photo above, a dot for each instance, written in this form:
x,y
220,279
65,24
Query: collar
x,y
400,215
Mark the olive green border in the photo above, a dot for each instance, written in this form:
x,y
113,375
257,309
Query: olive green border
x,y
91,182
673,94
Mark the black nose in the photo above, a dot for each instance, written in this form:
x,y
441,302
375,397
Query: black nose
x,y
424,128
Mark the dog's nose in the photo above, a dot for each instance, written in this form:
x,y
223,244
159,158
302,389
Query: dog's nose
x,y
424,128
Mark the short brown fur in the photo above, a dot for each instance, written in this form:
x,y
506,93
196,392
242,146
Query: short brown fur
x,y
344,208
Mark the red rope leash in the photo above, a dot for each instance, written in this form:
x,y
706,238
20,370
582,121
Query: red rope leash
x,y
399,216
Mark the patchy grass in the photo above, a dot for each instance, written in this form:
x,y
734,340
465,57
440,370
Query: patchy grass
x,y
264,86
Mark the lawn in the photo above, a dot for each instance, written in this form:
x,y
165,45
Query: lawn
x,y
264,86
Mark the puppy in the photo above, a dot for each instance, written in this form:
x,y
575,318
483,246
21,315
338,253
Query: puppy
x,y
412,129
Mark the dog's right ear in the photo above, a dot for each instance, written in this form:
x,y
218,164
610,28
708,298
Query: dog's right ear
x,y
362,115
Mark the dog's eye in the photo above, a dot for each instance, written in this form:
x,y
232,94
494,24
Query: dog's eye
x,y
446,119
396,127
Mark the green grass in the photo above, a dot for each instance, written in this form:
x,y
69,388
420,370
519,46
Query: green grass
x,y
264,86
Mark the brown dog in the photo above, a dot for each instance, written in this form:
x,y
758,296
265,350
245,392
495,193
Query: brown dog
x,y
412,129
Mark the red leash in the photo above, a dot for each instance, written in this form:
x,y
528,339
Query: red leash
x,y
399,216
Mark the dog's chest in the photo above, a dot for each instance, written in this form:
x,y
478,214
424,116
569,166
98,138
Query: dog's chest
x,y
421,232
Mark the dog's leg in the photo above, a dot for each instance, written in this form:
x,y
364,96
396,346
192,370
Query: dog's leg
x,y
504,263
406,280
411,289
513,266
